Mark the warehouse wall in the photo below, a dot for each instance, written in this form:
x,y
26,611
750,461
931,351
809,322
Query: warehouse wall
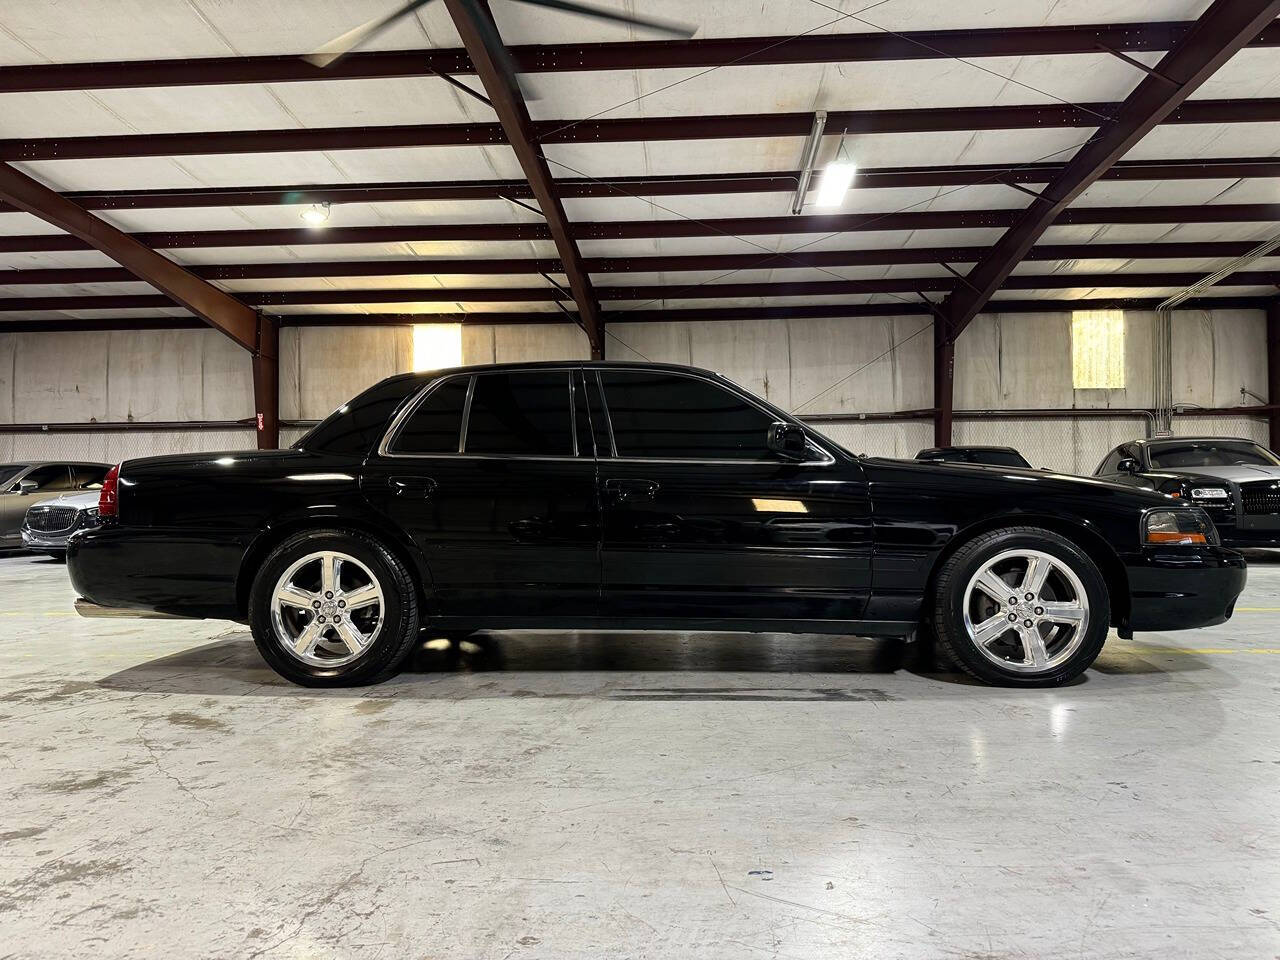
x,y
840,367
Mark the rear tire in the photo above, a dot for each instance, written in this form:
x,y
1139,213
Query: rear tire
x,y
1021,607
333,608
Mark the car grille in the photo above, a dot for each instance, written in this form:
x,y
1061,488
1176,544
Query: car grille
x,y
51,519
1260,499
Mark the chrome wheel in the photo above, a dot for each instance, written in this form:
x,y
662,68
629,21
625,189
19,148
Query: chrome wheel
x,y
1026,611
327,609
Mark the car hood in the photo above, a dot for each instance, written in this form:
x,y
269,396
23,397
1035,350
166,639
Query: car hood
x,y
1235,474
80,501
1028,479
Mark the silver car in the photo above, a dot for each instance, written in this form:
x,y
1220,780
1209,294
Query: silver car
x,y
22,485
49,524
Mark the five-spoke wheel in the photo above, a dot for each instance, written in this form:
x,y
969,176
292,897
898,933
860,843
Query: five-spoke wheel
x,y
1021,606
328,608
333,608
1026,611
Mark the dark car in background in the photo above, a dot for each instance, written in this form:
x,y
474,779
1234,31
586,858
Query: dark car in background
x,y
588,495
982,456
23,485
1235,481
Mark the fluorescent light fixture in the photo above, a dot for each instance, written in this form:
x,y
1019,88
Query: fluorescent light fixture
x,y
837,176
316,214
807,160
436,346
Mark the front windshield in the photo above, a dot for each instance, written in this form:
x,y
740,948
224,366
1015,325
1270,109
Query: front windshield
x,y
1212,453
10,470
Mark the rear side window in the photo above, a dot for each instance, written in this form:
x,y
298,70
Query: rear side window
x,y
356,427
525,412
86,476
665,416
435,426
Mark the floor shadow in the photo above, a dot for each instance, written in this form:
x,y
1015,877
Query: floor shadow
x,y
624,666
1257,557
615,665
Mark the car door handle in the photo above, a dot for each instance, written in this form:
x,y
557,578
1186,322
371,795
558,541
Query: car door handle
x,y
630,491
412,488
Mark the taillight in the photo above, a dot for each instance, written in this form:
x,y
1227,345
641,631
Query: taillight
x,y
109,498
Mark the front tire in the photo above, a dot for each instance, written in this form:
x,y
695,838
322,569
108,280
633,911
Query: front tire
x,y
333,608
1021,607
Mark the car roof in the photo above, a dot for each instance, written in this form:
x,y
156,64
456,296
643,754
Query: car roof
x,y
1150,441
561,364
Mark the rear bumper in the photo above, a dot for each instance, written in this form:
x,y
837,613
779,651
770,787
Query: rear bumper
x,y
1182,589
179,574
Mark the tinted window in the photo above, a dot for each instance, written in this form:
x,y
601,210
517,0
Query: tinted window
x,y
50,478
435,425
521,413
87,475
666,416
1212,453
1111,464
356,427
9,471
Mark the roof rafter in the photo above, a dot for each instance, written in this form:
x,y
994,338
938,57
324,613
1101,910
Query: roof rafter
x,y
634,55
693,291
218,309
444,266
764,181
651,229
1225,28
492,64
619,130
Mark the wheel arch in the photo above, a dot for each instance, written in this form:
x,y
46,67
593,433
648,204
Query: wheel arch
x,y
275,534
1078,532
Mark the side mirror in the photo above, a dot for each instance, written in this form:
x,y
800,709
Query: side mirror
x,y
27,486
788,440
1127,465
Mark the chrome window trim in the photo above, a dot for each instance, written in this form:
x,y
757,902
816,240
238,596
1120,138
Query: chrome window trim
x,y
466,413
724,384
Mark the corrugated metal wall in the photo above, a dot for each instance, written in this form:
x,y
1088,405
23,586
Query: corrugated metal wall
x,y
841,367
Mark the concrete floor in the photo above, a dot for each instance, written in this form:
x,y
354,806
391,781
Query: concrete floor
x,y
162,794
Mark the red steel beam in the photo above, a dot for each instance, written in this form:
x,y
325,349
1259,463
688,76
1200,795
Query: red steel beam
x,y
868,46
482,318
1224,29
483,43
781,181
647,229
218,309
618,130
427,266
692,291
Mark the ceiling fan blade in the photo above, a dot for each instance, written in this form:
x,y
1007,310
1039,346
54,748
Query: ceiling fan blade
x,y
498,50
339,47
682,30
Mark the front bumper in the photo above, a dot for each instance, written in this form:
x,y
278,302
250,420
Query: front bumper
x,y
43,542
1178,589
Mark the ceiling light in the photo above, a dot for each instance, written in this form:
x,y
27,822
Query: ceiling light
x,y
316,214
807,160
837,176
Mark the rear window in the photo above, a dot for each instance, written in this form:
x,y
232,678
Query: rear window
x,y
355,428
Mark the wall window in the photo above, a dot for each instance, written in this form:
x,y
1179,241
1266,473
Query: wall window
x,y
1097,349
436,346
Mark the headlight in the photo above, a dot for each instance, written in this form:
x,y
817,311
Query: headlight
x,y
1178,528
1209,493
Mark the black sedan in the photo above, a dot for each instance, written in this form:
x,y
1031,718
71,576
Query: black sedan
x,y
1237,482
595,495
983,456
